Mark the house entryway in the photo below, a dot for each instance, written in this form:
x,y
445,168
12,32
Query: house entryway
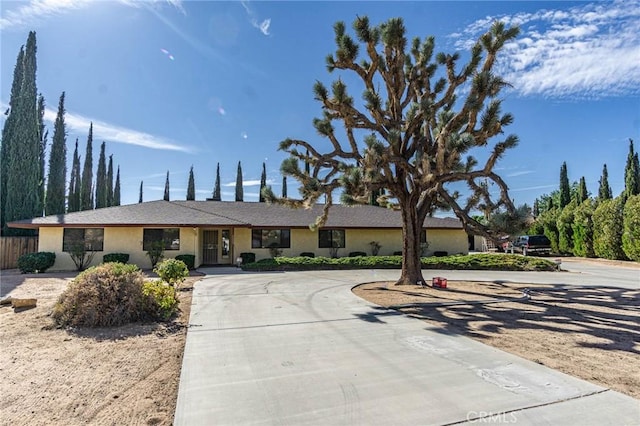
x,y
216,247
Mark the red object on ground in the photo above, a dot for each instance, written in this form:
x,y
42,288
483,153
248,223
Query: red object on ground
x,y
439,282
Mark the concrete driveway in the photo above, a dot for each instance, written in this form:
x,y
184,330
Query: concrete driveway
x,y
299,348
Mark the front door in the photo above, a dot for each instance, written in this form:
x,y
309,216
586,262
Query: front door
x,y
210,247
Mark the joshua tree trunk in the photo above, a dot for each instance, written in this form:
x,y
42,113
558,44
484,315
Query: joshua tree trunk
x,y
411,228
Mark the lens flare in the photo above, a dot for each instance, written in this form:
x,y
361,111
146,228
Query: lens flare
x,y
168,54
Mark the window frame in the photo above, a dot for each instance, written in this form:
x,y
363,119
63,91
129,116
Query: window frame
x,y
260,234
169,244
94,240
322,241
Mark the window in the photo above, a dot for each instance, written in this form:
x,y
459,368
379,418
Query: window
x,y
169,236
331,238
267,238
91,238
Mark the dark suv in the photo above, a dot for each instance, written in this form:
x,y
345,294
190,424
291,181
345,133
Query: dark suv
x,y
538,244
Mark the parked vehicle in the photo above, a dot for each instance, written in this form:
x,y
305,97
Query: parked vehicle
x,y
538,244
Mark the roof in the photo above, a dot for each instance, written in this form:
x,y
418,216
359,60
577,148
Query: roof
x,y
229,214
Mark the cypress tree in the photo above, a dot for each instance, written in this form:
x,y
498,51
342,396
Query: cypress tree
x,y
22,198
565,190
216,187
116,189
166,188
631,174
239,189
604,191
55,199
43,147
8,134
582,193
110,182
191,187
101,179
284,187
73,203
536,208
86,184
140,195
263,182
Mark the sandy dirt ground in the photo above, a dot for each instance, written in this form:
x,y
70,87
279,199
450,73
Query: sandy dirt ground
x,y
104,376
590,333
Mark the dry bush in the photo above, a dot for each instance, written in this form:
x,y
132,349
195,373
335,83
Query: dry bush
x,y
106,295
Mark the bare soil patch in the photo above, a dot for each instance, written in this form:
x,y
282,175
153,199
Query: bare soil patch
x,y
105,376
590,333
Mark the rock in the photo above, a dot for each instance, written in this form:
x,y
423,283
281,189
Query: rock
x,y
5,301
23,303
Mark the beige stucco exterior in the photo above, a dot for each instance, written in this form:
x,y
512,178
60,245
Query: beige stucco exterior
x,y
129,240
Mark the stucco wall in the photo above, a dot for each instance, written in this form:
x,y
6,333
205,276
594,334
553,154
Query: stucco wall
x,y
453,241
116,240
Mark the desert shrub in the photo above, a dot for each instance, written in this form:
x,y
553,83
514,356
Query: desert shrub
x,y
106,295
80,256
357,253
607,229
631,228
583,229
188,259
115,257
156,252
307,254
161,301
172,271
275,251
36,262
565,230
248,258
375,248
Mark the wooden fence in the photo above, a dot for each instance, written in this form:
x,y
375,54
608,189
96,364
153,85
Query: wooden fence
x,y
11,248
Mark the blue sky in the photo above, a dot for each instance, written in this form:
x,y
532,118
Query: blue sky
x,y
174,84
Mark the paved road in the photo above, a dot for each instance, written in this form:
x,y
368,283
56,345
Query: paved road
x,y
300,348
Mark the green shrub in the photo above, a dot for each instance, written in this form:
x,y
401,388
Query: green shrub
x,y
115,257
160,301
476,261
36,262
357,253
607,229
106,295
248,258
549,221
565,230
631,228
172,271
307,254
583,229
440,253
188,259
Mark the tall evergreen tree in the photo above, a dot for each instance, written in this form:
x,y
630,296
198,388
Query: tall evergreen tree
x,y
43,147
582,194
216,187
284,187
565,189
73,201
166,188
101,179
86,184
57,178
536,208
8,134
263,182
140,195
604,191
116,189
631,173
110,182
191,187
23,191
239,189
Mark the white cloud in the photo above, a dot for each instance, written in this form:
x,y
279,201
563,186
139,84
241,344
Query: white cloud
x,y
588,51
520,173
112,133
245,183
36,10
262,26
